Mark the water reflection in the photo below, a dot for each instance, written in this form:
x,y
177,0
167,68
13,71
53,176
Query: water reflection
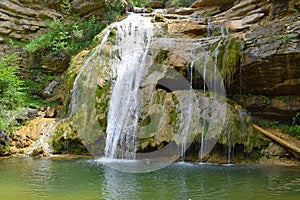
x,y
88,179
190,181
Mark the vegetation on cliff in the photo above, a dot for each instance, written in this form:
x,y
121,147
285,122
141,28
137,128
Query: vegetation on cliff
x,y
12,93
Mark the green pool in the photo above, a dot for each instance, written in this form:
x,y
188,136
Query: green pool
x,y
28,178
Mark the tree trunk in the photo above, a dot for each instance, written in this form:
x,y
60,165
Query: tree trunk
x,y
279,140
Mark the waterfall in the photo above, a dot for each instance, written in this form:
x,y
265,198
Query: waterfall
x,y
126,43
133,40
121,60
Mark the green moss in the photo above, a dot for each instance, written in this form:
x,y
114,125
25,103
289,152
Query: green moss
x,y
159,18
159,60
231,58
173,118
112,37
65,139
230,52
101,104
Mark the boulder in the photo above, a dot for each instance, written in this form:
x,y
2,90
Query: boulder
x,y
49,90
57,64
26,114
39,152
4,139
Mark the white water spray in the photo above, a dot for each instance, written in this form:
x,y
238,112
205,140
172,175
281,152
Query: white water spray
x,y
134,36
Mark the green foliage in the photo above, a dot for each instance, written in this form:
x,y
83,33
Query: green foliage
x,y
208,14
293,130
12,95
285,38
35,84
284,98
267,100
139,3
112,12
296,118
159,18
269,124
64,38
11,90
66,7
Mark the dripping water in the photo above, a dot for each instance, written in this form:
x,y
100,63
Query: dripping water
x,y
202,140
229,144
241,73
203,122
216,54
189,109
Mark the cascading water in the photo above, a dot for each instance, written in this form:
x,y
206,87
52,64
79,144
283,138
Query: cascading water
x,y
128,72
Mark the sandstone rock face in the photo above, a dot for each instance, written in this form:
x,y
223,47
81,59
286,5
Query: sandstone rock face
x,y
186,29
268,62
87,8
23,20
155,4
274,52
281,108
202,3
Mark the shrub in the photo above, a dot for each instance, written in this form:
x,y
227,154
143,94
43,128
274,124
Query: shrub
x,y
12,92
64,38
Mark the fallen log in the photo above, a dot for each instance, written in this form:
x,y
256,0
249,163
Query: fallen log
x,y
279,140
